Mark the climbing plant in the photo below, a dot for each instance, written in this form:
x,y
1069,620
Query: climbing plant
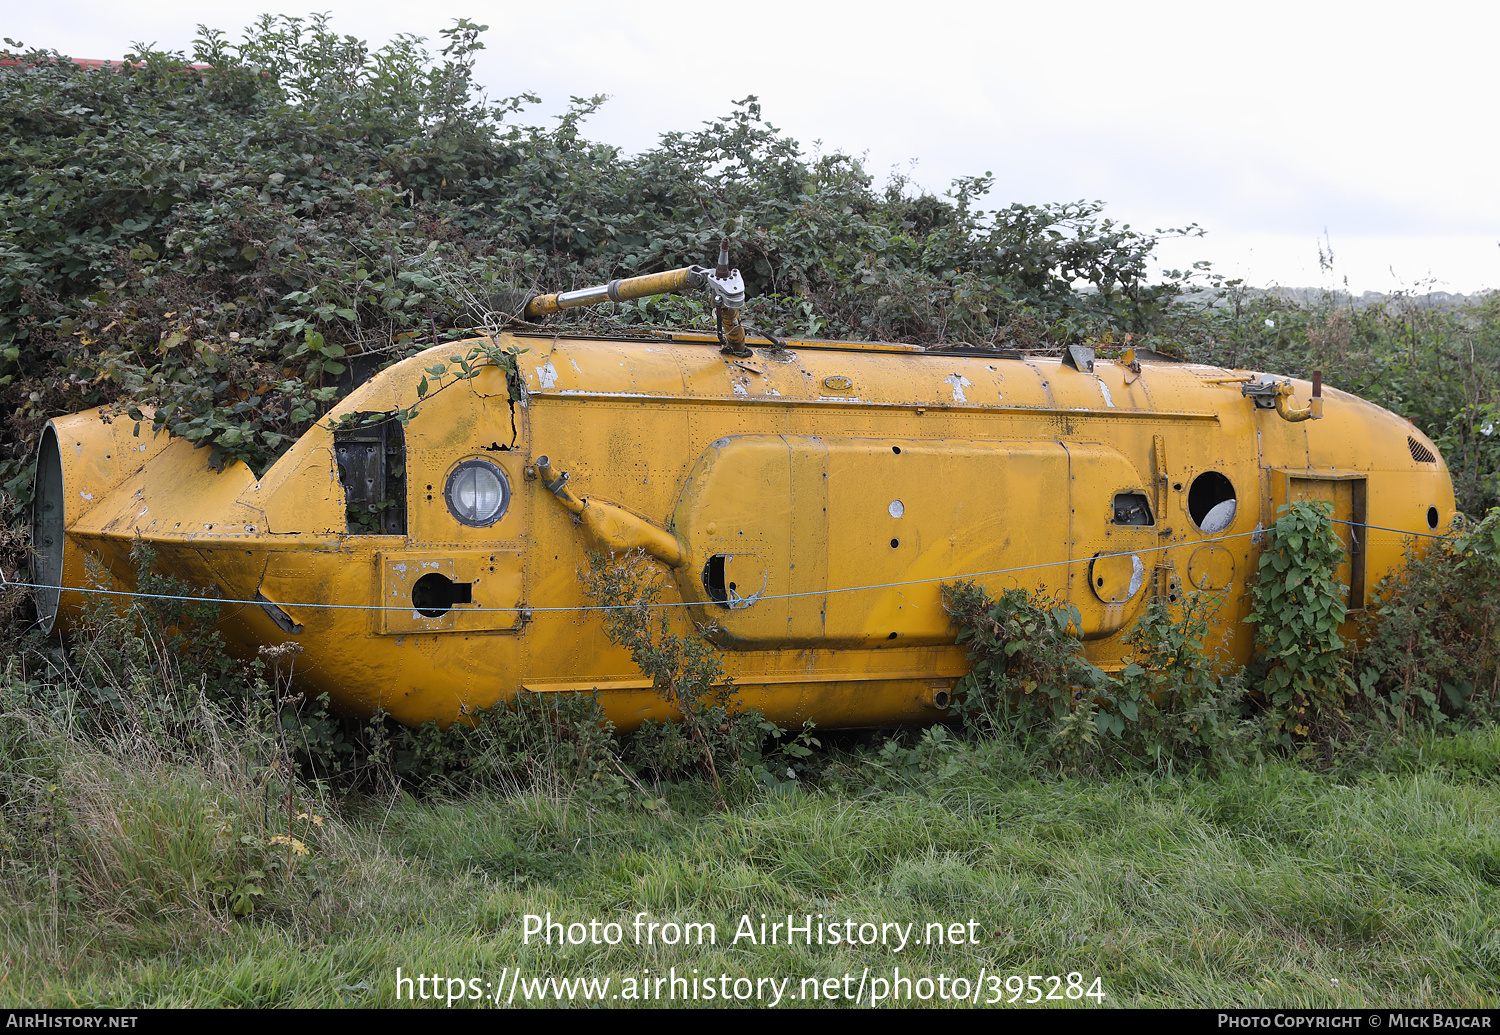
x,y
1298,605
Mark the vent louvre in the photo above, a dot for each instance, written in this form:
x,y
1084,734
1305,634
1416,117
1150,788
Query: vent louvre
x,y
1420,453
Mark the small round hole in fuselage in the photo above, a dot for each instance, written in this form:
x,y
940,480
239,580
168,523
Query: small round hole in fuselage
x,y
434,595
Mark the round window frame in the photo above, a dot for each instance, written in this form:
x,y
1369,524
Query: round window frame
x,y
505,492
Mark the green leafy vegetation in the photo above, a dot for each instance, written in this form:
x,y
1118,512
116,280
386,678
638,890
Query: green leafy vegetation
x,y
234,247
708,734
181,835
1430,655
1426,657
1297,606
236,244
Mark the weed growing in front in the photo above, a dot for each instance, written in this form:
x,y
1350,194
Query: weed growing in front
x,y
710,734
1029,683
168,837
1298,605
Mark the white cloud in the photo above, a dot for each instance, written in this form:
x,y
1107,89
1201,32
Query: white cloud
x,y
1265,124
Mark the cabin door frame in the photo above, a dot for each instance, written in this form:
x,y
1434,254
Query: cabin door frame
x,y
1348,491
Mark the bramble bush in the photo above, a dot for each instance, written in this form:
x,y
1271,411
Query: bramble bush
x,y
1298,605
238,244
1029,682
1026,661
711,735
1429,652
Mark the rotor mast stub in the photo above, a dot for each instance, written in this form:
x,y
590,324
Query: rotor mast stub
x,y
725,284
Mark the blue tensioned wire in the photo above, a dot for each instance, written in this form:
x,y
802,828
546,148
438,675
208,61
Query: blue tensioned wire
x,y
621,607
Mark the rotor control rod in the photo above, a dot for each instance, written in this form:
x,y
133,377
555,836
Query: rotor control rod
x,y
722,282
616,291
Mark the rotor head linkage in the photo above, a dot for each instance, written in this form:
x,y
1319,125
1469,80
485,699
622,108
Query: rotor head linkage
x,y
722,282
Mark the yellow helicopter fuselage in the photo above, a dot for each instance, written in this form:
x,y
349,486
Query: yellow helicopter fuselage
x,y
804,505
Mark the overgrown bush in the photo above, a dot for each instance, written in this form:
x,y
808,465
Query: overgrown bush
x,y
1029,682
1172,700
1429,651
238,244
1427,654
710,734
1027,668
1298,605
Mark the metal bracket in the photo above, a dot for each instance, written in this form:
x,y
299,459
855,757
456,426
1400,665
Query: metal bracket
x,y
283,621
728,291
1264,392
1079,357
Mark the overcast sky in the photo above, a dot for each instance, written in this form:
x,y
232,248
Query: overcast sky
x,y
1274,126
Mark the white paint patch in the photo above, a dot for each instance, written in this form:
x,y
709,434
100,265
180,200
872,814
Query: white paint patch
x,y
1259,535
959,383
772,391
1104,391
575,364
740,389
1137,575
897,508
547,375
1220,518
88,496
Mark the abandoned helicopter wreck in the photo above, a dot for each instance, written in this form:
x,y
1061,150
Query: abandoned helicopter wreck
x,y
806,500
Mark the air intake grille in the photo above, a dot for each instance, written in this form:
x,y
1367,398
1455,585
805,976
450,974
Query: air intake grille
x,y
1420,453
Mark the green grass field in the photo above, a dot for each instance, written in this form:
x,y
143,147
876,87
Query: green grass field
x,y
1267,886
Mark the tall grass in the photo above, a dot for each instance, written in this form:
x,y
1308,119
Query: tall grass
x,y
156,863
166,841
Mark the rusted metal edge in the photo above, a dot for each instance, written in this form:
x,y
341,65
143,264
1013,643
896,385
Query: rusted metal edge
x,y
772,679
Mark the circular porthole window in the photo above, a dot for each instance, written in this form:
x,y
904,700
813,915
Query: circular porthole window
x,y
1211,502
477,493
